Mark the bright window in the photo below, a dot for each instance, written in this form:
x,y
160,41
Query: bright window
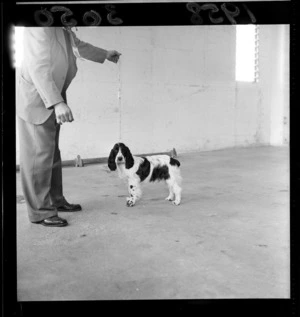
x,y
246,53
17,46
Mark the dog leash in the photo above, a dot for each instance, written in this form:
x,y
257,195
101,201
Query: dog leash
x,y
120,99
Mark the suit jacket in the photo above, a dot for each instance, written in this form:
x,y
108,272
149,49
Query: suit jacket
x,y
48,68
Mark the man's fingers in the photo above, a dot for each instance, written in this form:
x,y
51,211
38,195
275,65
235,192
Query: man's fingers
x,y
63,113
113,56
71,116
117,56
61,119
115,59
67,117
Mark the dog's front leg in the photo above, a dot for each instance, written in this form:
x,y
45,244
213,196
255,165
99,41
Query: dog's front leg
x,y
134,192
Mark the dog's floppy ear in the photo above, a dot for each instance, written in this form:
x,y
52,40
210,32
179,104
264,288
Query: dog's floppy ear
x,y
129,161
111,160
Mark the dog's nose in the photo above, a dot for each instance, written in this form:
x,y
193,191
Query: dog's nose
x,y
120,158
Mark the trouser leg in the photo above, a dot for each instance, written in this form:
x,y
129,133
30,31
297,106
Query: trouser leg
x,y
37,148
56,190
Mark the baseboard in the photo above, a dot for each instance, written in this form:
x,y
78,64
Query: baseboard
x,y
99,160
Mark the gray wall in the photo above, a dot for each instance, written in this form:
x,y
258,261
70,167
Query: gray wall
x,y
175,87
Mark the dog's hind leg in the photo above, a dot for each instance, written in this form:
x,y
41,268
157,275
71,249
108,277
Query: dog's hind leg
x,y
174,183
171,192
177,191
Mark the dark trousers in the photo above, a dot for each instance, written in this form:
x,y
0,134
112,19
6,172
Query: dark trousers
x,y
40,167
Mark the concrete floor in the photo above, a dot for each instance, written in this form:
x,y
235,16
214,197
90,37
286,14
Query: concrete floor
x,y
228,239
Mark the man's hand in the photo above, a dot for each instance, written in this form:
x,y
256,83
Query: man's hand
x,y
113,56
63,113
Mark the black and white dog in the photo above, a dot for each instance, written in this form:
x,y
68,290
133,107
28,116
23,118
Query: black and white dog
x,y
136,169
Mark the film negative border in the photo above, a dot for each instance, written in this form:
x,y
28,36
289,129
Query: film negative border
x,y
150,14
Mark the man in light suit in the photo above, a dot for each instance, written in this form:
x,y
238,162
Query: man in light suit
x,y
48,68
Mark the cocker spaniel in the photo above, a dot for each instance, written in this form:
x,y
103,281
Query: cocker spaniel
x,y
153,168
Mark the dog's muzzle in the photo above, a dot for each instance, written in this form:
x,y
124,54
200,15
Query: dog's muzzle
x,y
120,159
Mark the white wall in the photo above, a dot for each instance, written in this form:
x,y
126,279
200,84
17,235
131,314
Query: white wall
x,y
175,87
274,86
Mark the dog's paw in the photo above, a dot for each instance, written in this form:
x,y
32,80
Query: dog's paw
x,y
176,202
130,202
170,198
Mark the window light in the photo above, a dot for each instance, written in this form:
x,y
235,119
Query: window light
x,y
17,46
246,53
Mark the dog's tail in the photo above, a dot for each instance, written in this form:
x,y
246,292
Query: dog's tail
x,y
174,162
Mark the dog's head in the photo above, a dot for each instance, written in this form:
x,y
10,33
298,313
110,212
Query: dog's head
x,y
120,154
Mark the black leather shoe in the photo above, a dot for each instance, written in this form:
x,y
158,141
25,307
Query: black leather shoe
x,y
69,207
54,221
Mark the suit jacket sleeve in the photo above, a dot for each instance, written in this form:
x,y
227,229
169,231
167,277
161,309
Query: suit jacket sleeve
x,y
38,59
89,51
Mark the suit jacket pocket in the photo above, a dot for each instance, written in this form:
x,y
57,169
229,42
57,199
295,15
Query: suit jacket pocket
x,y
27,81
27,91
